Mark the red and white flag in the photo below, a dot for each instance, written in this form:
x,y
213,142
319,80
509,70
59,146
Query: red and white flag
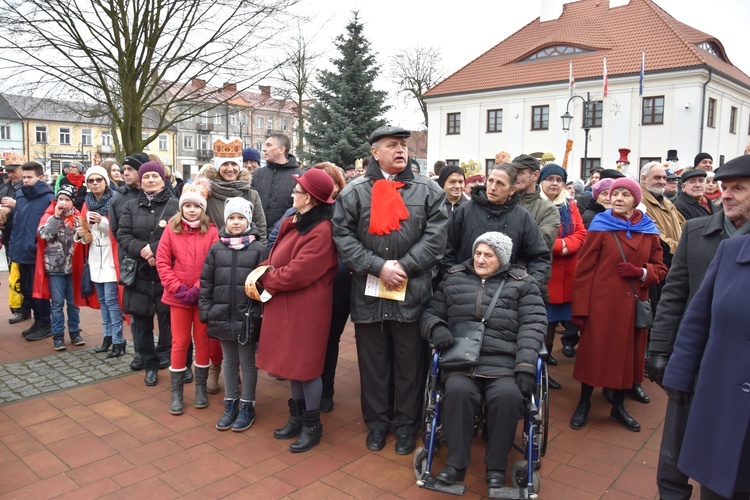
x,y
571,80
605,77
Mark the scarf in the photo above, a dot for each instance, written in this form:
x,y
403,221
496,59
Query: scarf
x,y
387,209
222,190
76,179
100,206
236,242
714,196
70,218
563,206
193,225
150,197
735,231
605,221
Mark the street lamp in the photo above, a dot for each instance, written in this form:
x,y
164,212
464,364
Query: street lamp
x,y
567,118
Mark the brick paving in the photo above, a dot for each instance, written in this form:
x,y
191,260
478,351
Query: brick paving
x,y
108,435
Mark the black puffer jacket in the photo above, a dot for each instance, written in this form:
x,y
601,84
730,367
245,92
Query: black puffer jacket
x,y
274,184
475,218
588,215
117,206
143,222
514,331
223,303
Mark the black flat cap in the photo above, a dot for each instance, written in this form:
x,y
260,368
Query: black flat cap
x,y
693,172
610,173
388,131
671,175
526,161
738,167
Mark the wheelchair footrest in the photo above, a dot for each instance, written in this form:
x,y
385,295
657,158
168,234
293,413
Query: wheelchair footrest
x,y
452,489
509,492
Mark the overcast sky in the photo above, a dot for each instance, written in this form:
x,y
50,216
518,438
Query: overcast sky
x,y
463,31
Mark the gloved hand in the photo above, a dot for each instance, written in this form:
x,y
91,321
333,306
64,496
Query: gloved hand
x,y
181,291
579,322
526,383
442,338
678,397
629,271
191,296
656,365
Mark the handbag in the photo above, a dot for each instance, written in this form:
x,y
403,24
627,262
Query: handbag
x,y
129,265
87,287
467,340
250,332
643,315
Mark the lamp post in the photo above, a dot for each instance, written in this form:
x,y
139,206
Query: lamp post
x,y
242,137
567,118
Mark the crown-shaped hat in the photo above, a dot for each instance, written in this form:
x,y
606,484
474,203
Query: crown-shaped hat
x,y
226,151
471,168
502,157
13,158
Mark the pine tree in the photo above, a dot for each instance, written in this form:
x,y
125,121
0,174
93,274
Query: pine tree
x,y
347,107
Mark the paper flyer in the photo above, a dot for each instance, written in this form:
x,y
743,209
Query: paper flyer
x,y
375,288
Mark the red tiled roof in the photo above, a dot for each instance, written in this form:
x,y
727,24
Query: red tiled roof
x,y
619,33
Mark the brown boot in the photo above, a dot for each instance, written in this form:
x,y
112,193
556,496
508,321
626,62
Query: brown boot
x,y
212,385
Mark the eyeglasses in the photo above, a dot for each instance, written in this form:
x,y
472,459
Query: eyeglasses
x,y
553,181
295,191
95,180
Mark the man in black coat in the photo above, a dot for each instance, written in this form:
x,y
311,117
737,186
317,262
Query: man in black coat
x,y
691,202
8,190
695,251
275,183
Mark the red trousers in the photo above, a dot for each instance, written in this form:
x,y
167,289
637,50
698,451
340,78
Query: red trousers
x,y
216,355
184,322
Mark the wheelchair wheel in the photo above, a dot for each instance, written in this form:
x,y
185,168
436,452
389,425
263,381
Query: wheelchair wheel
x,y
519,475
420,462
544,408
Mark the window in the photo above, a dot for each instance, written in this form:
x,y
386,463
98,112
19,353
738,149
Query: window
x,y
540,117
188,115
41,134
203,142
488,164
711,115
233,120
556,51
283,125
260,122
595,115
653,111
712,49
86,137
217,118
244,118
162,142
270,123
145,136
106,138
590,163
5,132
647,159
494,120
454,123
452,163
187,141
64,135
733,120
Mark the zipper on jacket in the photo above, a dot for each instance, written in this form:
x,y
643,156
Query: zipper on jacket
x,y
231,293
480,294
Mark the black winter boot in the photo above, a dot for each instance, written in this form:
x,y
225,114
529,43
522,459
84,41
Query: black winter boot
x,y
177,379
230,414
201,396
246,416
311,433
106,344
294,426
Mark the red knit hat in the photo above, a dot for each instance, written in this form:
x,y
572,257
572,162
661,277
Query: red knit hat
x,y
630,185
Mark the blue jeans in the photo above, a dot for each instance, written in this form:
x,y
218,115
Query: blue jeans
x,y
111,312
61,291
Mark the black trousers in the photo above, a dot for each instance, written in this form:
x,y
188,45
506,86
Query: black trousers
x,y
463,396
142,328
163,348
391,351
339,315
41,307
673,484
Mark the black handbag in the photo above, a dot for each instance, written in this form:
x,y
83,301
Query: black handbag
x,y
127,272
250,332
467,340
644,318
87,287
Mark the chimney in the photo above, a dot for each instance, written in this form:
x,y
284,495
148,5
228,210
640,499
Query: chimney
x,y
265,91
197,82
230,87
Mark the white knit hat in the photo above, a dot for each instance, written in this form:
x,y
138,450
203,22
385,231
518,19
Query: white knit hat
x,y
227,151
501,244
97,170
240,206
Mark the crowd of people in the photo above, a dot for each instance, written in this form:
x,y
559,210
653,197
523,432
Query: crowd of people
x,y
249,267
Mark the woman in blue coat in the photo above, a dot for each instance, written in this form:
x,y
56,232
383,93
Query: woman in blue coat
x,y
713,345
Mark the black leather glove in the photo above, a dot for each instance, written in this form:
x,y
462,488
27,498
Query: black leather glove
x,y
678,397
526,382
442,338
656,365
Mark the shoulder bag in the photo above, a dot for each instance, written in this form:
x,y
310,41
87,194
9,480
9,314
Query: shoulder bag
x,y
129,265
643,316
87,287
467,340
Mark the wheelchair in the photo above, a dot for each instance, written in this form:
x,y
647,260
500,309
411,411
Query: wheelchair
x,y
523,474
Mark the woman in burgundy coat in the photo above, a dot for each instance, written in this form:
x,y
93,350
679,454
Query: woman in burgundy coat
x,y
611,352
297,317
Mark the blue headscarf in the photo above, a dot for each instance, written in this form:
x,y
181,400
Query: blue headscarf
x,y
605,221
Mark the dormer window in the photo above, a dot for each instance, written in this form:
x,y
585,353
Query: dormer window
x,y
556,51
712,49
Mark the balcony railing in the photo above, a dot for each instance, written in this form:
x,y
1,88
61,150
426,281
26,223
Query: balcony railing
x,y
208,127
204,154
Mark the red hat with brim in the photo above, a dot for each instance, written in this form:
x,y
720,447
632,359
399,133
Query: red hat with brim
x,y
318,183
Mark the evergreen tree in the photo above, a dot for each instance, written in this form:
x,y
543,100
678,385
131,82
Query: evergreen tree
x,y
347,107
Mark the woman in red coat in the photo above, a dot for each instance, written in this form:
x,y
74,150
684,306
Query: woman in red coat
x,y
297,317
611,352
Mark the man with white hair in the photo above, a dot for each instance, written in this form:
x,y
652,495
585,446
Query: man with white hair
x,y
668,220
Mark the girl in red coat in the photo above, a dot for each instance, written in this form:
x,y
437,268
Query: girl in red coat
x,y
179,261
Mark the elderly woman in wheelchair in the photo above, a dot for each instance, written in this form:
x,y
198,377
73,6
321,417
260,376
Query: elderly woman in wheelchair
x,y
489,321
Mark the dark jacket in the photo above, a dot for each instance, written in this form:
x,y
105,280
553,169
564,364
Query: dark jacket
x,y
698,243
223,302
588,215
117,205
515,329
31,202
274,184
452,207
143,223
479,215
690,208
9,189
418,245
544,213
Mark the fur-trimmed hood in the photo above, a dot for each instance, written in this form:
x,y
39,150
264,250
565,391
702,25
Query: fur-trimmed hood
x,y
212,174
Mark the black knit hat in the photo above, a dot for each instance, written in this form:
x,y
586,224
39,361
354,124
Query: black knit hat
x,y
446,172
135,160
68,190
700,157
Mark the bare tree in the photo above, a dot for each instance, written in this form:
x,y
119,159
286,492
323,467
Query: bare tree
x,y
415,70
123,57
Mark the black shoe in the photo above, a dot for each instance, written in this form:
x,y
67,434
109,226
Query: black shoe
x,y
106,344
495,478
152,377
569,351
188,375
638,394
164,362
553,384
550,360
375,439
326,405
76,339
619,414
609,395
312,433
42,332
245,416
32,329
59,344
117,351
18,317
137,364
231,409
578,420
451,475
405,444
293,426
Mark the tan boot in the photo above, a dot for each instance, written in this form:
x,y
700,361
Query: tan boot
x,y
212,385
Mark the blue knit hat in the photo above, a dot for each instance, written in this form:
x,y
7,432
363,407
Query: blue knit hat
x,y
553,169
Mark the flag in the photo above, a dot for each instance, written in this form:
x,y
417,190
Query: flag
x,y
571,80
605,77
643,70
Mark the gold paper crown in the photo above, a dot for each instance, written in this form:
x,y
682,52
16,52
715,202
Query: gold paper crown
x,y
13,158
548,157
502,157
471,168
358,163
224,149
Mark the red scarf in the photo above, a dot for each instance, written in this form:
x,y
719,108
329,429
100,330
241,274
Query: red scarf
x,y
716,194
388,208
76,179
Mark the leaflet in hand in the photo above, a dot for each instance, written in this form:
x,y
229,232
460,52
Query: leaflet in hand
x,y
374,287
